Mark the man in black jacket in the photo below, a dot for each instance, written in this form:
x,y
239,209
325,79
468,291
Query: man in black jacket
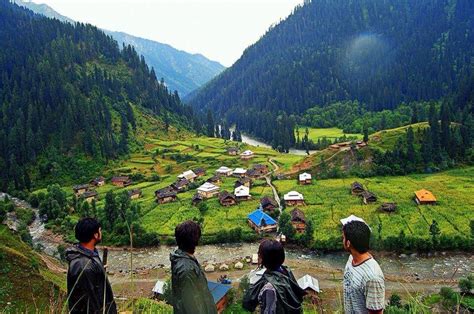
x,y
89,290
188,282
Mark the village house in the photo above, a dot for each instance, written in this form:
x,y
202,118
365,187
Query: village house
x,y
215,179
243,181
239,172
121,181
219,294
261,222
180,185
368,197
261,169
208,190
99,181
233,151
165,195
196,199
242,193
357,188
361,144
248,154
227,199
80,189
425,197
188,175
309,284
89,196
268,204
200,172
388,207
334,147
135,193
224,171
293,198
298,220
304,178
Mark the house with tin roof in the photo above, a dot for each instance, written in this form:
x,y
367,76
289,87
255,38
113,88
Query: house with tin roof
x,y
261,221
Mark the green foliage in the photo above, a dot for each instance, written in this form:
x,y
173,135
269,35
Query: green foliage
x,y
76,76
326,63
466,284
449,297
168,292
286,227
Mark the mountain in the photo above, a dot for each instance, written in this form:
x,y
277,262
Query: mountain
x,y
181,71
69,96
380,53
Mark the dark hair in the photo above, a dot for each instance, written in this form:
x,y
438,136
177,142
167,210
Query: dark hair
x,y
359,234
187,236
86,228
272,254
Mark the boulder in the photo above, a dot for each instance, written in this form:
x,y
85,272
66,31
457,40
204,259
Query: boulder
x,y
224,267
239,265
209,268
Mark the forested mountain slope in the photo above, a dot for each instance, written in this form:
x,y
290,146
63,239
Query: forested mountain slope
x,y
378,52
68,90
182,71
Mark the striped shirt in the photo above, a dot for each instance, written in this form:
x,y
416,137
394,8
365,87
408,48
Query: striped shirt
x,y
364,287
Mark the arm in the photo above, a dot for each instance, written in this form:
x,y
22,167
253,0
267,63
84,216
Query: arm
x,y
82,286
268,300
191,293
250,300
375,295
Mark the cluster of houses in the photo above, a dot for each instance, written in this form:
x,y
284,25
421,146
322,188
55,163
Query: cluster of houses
x,y
88,193
422,197
211,188
345,146
169,193
245,155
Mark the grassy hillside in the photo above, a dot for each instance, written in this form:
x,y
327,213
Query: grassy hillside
x,y
330,200
20,266
329,133
338,162
159,161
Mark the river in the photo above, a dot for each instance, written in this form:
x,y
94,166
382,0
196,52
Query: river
x,y
421,272
254,142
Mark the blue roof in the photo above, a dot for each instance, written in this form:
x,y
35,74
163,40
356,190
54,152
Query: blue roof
x,y
257,216
218,290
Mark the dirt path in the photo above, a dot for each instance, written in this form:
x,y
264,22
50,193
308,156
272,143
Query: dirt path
x,y
268,178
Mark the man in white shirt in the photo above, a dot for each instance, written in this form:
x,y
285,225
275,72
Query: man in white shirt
x,y
364,283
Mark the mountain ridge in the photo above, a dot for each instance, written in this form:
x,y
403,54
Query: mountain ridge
x,y
182,71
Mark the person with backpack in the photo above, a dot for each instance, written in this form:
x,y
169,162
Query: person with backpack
x,y
277,290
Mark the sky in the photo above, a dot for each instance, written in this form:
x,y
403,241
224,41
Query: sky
x,y
218,29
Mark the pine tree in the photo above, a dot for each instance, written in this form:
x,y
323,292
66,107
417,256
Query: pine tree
x,y
210,124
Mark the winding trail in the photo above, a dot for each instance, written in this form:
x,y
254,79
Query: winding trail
x,y
268,178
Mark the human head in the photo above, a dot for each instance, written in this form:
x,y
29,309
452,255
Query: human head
x,y
187,236
271,254
87,230
356,236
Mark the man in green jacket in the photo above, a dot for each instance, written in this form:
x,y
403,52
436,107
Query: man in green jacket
x,y
188,282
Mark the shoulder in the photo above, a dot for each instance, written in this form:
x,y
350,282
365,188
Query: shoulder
x,y
186,267
372,271
82,265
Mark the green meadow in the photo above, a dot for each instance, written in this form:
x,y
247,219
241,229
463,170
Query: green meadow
x,y
327,201
330,133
